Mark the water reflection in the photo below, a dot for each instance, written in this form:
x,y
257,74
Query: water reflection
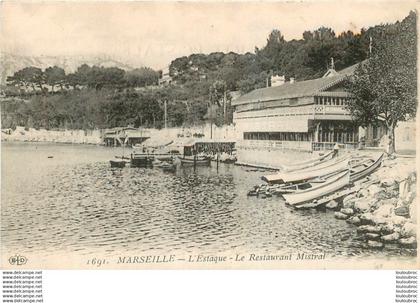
x,y
77,203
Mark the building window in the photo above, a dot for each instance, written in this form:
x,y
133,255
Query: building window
x,y
276,136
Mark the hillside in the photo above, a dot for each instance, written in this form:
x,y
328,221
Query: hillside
x,y
10,63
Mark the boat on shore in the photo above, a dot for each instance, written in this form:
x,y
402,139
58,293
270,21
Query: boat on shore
x,y
331,185
309,163
325,169
365,168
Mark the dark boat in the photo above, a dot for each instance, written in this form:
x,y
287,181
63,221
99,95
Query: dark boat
x,y
141,161
117,163
168,167
198,161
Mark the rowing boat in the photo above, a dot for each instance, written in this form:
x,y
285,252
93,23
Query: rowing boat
x,y
326,199
333,184
308,163
365,168
310,173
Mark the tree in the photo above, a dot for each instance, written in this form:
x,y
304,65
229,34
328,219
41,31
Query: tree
x,y
33,76
55,76
72,80
141,77
384,87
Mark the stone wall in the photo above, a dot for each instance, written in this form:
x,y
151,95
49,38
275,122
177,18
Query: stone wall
x,y
58,136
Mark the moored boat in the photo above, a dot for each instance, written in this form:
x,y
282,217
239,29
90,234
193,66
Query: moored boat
x,y
141,161
117,163
168,167
332,184
197,161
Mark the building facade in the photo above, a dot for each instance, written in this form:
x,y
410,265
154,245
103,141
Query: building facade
x,y
165,78
306,115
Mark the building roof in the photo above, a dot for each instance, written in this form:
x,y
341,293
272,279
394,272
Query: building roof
x,y
295,89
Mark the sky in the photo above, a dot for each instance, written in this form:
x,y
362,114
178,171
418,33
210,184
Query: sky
x,y
154,33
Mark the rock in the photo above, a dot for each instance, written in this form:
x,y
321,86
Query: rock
x,y
388,229
366,219
347,211
378,220
408,242
332,204
361,205
391,192
362,193
368,229
388,182
410,197
348,201
391,201
409,230
374,179
354,220
340,216
391,237
413,212
398,220
372,236
384,210
375,244
403,189
374,190
402,211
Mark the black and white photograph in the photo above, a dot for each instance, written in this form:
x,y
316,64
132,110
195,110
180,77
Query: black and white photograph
x,y
208,135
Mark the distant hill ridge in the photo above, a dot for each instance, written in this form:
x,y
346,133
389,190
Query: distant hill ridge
x,y
10,63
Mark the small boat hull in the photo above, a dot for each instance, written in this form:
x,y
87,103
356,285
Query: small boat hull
x,y
331,185
141,162
198,162
313,172
169,168
309,163
357,175
117,163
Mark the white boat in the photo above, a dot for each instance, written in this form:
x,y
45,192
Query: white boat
x,y
308,163
309,173
333,184
363,169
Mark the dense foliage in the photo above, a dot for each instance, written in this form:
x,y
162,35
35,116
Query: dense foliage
x,y
385,86
99,97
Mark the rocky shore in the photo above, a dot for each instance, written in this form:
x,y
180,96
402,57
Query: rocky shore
x,y
384,205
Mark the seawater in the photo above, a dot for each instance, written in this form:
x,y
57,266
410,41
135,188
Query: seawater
x,y
75,202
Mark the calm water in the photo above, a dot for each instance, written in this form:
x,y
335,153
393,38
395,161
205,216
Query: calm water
x,y
75,202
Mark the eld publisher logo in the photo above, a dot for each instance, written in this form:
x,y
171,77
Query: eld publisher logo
x,y
17,260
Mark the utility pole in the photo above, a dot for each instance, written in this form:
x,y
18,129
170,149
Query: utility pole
x,y
224,106
370,46
166,113
211,121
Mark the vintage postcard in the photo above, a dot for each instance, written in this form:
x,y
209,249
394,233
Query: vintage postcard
x,y
208,135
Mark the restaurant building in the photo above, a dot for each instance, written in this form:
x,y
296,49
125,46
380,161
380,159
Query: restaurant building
x,y
301,115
